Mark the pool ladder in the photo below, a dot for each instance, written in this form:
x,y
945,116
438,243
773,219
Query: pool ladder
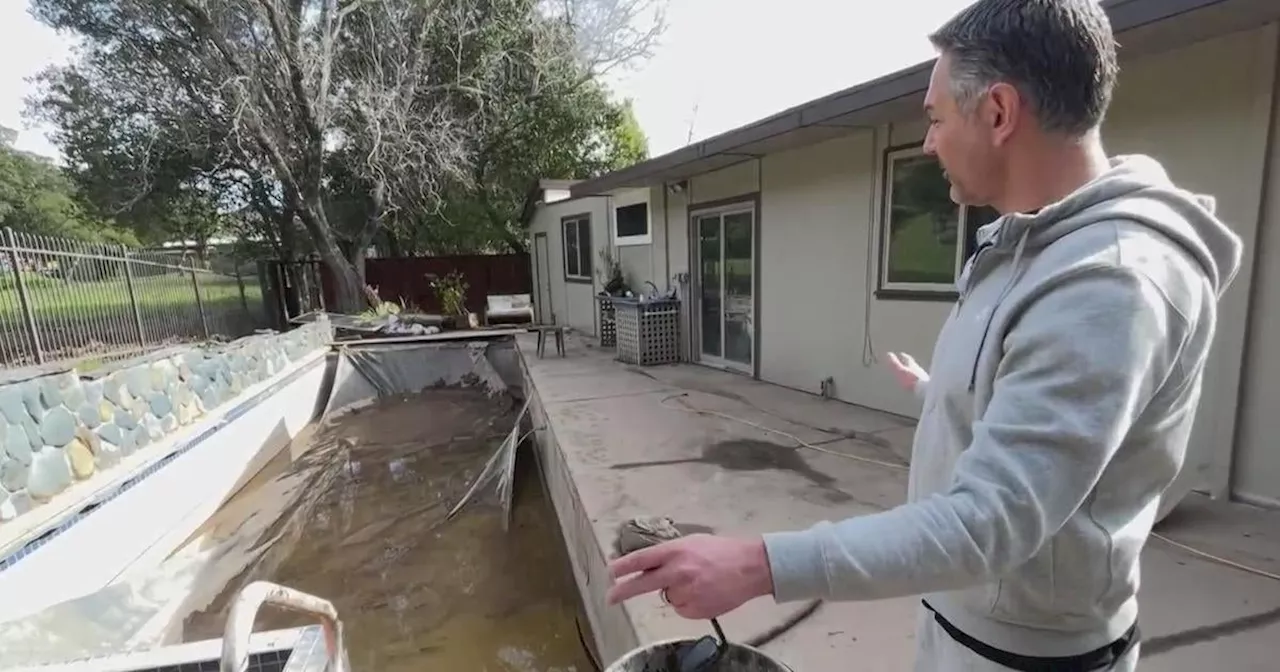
x,y
239,628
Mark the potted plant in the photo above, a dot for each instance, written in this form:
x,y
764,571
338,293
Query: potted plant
x,y
610,274
451,291
378,308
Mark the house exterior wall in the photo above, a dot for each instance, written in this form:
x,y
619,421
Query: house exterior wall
x,y
726,183
572,302
645,262
1255,472
675,226
1206,112
815,206
637,264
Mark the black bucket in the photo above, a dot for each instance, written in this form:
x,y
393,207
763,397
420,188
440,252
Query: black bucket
x,y
658,656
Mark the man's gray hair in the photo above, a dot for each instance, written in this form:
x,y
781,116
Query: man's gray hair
x,y
1059,54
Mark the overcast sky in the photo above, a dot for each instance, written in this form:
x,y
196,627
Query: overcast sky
x,y
735,61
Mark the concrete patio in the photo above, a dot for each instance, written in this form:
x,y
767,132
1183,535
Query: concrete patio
x,y
711,450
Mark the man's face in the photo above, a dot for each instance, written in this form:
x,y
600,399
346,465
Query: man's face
x,y
963,143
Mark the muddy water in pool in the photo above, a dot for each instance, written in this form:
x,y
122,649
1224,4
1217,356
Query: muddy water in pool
x,y
359,520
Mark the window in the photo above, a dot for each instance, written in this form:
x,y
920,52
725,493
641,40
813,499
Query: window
x,y
577,247
925,237
631,218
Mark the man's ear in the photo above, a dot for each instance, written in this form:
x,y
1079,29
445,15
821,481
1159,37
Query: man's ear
x,y
1002,111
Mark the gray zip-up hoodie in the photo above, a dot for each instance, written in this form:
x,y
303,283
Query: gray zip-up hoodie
x,y
1058,409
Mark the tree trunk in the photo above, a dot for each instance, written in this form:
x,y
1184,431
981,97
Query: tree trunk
x,y
357,260
348,289
291,288
496,220
202,253
288,236
516,243
374,211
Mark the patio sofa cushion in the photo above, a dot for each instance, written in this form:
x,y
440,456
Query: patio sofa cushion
x,y
509,307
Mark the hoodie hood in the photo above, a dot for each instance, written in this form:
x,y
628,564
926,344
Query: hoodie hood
x,y
1138,189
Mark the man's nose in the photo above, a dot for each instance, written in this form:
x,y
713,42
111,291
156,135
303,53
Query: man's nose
x,y
929,147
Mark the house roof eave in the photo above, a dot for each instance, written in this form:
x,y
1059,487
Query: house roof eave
x,y
889,97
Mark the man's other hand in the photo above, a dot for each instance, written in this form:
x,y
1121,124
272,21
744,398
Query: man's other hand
x,y
700,576
907,371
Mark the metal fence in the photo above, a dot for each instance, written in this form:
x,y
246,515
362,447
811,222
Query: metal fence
x,y
67,300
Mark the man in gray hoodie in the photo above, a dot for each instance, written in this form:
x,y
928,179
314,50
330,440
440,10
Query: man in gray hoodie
x,y
1063,388
1063,384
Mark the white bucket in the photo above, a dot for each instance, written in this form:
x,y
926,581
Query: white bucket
x,y
737,658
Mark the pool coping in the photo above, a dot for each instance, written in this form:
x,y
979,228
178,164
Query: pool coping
x,y
299,643
79,501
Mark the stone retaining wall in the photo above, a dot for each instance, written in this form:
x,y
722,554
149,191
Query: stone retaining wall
x,y
64,427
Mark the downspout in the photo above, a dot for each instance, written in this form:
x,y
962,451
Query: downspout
x,y
871,267
691,259
757,263
613,250
666,237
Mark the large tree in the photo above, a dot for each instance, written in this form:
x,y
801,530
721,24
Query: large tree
x,y
343,115
37,198
157,155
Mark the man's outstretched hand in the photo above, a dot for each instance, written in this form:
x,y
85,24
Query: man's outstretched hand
x,y
704,576
907,371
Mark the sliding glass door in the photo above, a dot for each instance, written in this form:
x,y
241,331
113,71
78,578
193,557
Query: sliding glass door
x,y
726,286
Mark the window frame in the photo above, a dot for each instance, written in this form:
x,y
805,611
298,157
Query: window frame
x,y
585,264
626,199
925,291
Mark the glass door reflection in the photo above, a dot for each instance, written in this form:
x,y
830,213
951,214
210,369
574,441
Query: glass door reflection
x,y
739,304
726,295
709,257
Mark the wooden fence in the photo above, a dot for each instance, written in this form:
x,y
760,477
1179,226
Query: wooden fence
x,y
406,279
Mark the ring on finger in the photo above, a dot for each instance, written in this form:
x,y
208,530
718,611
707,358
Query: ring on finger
x,y
665,600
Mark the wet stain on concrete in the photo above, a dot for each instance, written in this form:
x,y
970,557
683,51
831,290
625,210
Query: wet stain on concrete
x,y
870,438
755,455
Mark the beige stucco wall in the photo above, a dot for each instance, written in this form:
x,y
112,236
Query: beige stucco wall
x,y
572,302
1205,111
1255,471
736,180
675,227
637,264
813,240
641,263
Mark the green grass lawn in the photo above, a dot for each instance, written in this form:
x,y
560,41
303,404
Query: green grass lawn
x,y
55,298
85,321
916,254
